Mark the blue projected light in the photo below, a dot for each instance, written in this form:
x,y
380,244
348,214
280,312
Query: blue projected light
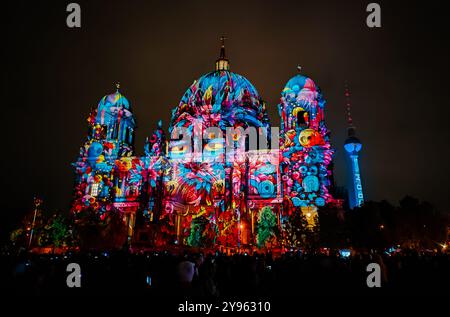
x,y
353,147
356,196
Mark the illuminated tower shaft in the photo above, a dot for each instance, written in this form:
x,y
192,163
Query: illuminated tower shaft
x,y
356,195
353,146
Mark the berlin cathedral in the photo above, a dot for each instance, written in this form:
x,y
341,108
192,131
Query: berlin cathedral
x,y
222,169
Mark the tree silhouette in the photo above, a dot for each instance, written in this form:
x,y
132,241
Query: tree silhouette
x,y
267,226
295,229
197,234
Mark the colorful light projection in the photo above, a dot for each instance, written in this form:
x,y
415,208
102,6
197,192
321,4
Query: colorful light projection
x,y
217,191
305,147
220,99
106,170
219,185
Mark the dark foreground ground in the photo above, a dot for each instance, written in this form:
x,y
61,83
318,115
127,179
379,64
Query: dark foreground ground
x,y
216,275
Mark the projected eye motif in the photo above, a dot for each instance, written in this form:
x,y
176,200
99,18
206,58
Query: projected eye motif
x,y
303,169
124,165
178,147
310,137
266,189
178,150
171,187
313,170
214,145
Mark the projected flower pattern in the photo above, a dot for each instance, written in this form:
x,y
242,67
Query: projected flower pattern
x,y
170,181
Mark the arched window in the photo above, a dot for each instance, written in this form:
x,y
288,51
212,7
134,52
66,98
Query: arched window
x,y
301,121
127,134
95,189
91,131
247,143
104,131
115,132
130,135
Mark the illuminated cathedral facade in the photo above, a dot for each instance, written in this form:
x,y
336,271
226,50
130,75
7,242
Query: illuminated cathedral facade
x,y
222,165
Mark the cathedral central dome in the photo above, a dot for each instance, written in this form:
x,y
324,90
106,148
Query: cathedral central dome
x,y
220,99
225,81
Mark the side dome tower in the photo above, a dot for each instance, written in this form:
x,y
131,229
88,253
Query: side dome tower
x,y
109,141
112,123
305,147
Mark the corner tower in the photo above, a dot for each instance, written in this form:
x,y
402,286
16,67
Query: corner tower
x,y
110,139
305,148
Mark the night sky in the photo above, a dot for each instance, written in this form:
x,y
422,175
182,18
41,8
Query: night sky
x,y
53,75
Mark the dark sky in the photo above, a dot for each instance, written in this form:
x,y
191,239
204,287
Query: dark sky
x,y
53,75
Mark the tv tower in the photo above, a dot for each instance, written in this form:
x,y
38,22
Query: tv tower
x,y
353,146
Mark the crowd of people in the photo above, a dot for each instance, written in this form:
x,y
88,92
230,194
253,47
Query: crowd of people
x,y
216,274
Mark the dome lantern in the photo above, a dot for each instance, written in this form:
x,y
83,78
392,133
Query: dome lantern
x,y
222,63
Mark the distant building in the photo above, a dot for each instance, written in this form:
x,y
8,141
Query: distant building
x,y
353,146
